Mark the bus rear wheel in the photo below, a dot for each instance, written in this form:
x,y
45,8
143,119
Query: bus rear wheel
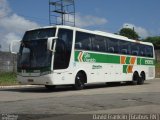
x,y
141,79
79,81
135,79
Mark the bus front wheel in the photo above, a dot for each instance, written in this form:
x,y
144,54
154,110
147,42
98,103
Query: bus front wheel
x,y
79,81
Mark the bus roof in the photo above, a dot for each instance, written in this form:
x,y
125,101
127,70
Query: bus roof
x,y
101,33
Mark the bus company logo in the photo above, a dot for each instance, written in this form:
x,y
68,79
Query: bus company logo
x,y
128,63
128,60
85,57
149,62
80,57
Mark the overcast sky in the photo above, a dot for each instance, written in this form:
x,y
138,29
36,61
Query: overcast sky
x,y
17,16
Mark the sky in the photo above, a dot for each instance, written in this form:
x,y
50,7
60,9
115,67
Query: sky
x,y
17,16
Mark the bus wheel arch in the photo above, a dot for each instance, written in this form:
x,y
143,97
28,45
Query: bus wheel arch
x,y
80,80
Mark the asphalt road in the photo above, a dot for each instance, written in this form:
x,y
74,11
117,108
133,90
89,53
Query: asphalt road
x,y
95,99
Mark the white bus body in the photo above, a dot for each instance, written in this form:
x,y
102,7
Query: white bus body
x,y
77,57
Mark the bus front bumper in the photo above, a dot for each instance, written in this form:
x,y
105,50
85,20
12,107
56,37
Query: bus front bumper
x,y
41,80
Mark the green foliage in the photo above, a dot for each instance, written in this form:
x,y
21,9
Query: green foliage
x,y
8,78
154,40
131,34
157,65
158,69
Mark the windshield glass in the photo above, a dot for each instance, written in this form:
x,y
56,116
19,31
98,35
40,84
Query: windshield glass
x,y
39,34
33,53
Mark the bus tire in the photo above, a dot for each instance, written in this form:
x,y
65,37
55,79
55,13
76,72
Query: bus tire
x,y
141,79
135,78
79,81
50,87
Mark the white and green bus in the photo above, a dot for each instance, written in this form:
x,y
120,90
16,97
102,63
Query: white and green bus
x,y
64,55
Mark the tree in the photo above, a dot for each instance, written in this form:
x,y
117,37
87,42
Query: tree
x,y
154,40
131,34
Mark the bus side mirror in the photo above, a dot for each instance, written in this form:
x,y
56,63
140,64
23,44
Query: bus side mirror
x,y
51,43
14,47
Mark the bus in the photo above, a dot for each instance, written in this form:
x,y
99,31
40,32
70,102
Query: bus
x,y
65,55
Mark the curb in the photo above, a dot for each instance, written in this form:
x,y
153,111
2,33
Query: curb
x,y
17,86
25,86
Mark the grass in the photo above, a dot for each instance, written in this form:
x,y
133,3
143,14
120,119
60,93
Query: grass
x,y
8,78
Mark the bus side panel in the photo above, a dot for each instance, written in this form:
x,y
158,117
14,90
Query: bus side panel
x,y
148,70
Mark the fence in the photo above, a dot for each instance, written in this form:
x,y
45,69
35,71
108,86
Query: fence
x,y
7,62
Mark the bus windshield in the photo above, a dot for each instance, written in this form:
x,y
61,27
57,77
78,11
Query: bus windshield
x,y
33,53
39,34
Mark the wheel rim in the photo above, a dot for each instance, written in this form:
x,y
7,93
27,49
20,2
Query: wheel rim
x,y
79,81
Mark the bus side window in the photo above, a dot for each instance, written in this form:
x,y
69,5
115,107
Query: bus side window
x,y
98,44
63,49
83,41
135,53
124,51
113,46
149,51
142,50
78,45
106,44
124,47
134,49
111,49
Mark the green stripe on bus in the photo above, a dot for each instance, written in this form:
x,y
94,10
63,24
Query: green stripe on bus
x,y
138,61
98,58
143,61
106,58
128,60
125,68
